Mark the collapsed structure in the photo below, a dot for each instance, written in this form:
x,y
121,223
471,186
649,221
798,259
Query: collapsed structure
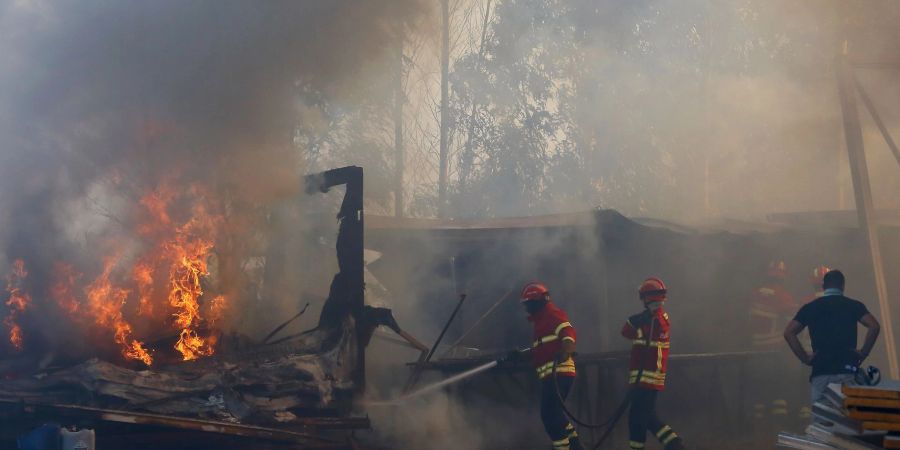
x,y
293,387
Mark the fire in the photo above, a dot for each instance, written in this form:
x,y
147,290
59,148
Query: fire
x,y
18,301
155,277
143,279
105,304
63,288
217,308
189,252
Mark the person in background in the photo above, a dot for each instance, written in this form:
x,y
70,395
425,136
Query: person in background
x,y
832,320
816,278
770,309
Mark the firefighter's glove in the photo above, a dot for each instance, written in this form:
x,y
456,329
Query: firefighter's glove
x,y
641,319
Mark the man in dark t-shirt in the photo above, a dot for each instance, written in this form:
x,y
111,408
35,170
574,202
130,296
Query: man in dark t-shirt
x,y
832,320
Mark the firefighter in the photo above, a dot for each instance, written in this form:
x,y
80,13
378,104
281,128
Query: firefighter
x,y
649,333
771,308
552,355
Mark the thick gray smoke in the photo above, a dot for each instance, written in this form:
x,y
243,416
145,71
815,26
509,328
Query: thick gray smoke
x,y
108,108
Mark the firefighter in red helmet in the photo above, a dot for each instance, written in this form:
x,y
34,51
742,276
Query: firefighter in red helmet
x,y
649,334
770,309
552,355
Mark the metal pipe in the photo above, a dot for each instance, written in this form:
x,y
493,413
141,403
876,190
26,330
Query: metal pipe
x,y
462,298
478,322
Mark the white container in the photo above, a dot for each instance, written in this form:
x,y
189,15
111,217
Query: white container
x,y
77,440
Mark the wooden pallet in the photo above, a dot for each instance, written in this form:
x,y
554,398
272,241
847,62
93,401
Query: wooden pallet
x,y
874,414
892,441
870,402
887,389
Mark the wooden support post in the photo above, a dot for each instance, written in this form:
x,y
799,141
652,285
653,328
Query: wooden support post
x,y
862,191
885,133
398,132
445,104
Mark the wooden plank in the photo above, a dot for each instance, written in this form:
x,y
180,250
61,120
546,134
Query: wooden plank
x,y
306,436
892,441
888,389
872,402
874,414
881,426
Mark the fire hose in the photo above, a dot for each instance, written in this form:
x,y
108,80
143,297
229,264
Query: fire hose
x,y
610,423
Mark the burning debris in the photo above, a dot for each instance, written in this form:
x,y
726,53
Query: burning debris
x,y
18,301
165,291
160,279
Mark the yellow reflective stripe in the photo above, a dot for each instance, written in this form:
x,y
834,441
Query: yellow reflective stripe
x,y
767,291
568,338
567,366
659,355
651,344
663,431
763,313
562,443
560,327
649,377
635,444
669,438
545,340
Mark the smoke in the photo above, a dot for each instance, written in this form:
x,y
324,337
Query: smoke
x,y
686,111
109,109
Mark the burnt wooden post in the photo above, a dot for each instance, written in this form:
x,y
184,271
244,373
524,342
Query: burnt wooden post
x,y
347,294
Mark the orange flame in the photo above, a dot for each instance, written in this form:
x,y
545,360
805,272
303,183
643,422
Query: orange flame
x,y
18,301
164,282
143,279
105,303
185,251
63,288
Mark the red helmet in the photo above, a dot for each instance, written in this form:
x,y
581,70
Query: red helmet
x,y
533,291
778,269
652,290
818,275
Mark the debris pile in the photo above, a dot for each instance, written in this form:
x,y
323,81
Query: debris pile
x,y
852,418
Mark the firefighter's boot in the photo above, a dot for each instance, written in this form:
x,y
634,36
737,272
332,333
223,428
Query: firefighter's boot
x,y
575,444
574,440
675,444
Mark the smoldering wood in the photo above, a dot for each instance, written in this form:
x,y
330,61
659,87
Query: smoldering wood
x,y
261,386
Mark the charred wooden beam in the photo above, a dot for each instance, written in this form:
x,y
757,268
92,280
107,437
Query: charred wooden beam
x,y
346,296
305,435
